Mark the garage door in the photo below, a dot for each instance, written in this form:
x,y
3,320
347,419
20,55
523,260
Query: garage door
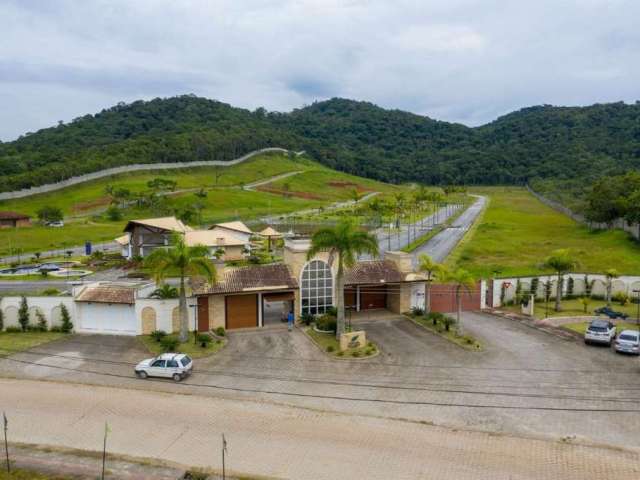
x,y
241,311
373,296
350,297
108,318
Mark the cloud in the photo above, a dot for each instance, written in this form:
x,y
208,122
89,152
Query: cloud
x,y
465,61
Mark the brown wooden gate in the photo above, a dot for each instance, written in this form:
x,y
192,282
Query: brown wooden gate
x,y
203,314
241,311
373,296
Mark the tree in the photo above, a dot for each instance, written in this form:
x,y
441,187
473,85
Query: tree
x,y
346,242
23,314
49,213
610,275
42,321
189,262
166,291
561,262
66,326
463,282
114,213
432,269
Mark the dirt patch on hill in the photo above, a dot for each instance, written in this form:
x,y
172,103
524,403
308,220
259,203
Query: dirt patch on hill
x,y
345,184
91,205
290,193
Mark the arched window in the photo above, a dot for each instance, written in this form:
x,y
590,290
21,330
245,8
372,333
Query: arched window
x,y
316,288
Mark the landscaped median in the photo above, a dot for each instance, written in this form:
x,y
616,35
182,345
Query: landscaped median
x,y
444,326
328,343
204,345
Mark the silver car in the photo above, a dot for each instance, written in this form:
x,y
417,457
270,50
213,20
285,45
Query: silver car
x,y
167,365
628,342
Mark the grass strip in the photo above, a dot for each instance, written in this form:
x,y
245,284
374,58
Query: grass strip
x,y
194,350
465,341
330,345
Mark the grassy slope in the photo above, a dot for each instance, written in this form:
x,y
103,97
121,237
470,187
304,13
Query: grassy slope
x,y
14,342
222,202
517,232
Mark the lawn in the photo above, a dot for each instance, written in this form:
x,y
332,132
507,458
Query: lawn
x,y
573,307
190,348
13,342
329,344
464,341
517,232
28,475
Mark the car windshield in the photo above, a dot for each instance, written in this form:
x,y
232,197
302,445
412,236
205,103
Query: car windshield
x,y
597,328
629,337
185,361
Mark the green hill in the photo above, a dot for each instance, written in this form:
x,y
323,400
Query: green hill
x,y
355,137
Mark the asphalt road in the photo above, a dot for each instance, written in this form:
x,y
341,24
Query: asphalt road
x,y
441,245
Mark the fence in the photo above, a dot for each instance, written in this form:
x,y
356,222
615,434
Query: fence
x,y
619,223
130,168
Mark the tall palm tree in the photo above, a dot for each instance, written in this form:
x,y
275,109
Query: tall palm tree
x,y
561,262
187,262
432,269
463,282
610,275
344,241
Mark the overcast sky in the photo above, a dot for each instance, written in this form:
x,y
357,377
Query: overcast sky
x,y
466,61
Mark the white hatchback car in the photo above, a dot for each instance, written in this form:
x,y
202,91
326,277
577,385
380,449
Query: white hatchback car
x,y
628,342
600,331
167,365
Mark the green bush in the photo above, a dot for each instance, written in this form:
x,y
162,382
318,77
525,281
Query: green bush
x,y
41,326
436,317
621,297
204,340
158,335
306,318
417,311
369,351
67,326
13,329
356,353
448,322
169,343
330,348
327,323
56,329
220,332
50,292
340,353
23,314
332,311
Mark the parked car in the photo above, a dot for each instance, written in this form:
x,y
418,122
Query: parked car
x,y
56,224
609,312
628,342
600,331
167,365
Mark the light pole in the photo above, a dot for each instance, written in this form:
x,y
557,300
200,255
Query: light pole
x,y
637,292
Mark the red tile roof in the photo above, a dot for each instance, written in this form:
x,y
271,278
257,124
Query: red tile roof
x,y
254,277
108,294
374,271
13,216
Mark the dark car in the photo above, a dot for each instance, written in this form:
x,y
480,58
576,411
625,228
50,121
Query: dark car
x,y
609,312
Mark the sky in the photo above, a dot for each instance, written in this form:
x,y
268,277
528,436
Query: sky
x,y
466,61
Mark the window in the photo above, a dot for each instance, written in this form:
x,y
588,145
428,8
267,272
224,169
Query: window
x,y
316,288
158,363
185,361
172,364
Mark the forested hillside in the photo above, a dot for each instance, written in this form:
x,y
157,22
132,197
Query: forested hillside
x,y
559,143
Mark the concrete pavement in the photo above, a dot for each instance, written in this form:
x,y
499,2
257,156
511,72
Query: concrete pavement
x,y
287,442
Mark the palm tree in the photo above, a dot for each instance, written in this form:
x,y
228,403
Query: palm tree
x,y
610,274
561,262
189,262
463,281
346,242
432,269
166,291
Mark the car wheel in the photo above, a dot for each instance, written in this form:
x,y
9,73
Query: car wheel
x,y
142,375
177,377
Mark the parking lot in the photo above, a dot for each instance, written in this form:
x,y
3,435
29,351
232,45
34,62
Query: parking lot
x,y
525,381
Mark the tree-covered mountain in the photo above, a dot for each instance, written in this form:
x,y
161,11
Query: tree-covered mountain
x,y
541,142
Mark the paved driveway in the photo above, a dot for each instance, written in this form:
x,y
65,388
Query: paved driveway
x,y
525,381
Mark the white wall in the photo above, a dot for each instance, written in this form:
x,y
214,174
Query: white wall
x,y
49,306
626,284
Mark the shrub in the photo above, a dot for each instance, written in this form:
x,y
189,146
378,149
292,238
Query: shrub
x,y
369,351
622,298
66,326
33,328
448,321
436,317
169,343
340,353
220,332
356,353
332,311
42,322
326,323
13,329
204,340
158,335
56,329
330,348
417,311
50,292
114,213
23,314
306,318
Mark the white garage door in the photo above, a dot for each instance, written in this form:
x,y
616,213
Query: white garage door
x,y
108,318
